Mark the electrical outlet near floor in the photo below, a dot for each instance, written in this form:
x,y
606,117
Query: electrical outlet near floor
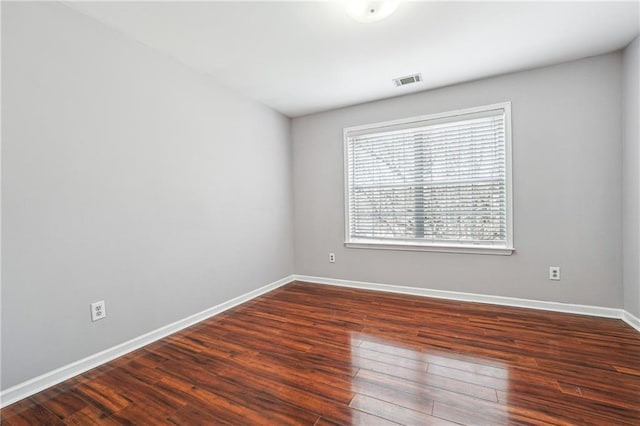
x,y
554,273
332,258
98,310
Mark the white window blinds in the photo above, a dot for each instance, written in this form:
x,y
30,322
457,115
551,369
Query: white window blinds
x,y
431,181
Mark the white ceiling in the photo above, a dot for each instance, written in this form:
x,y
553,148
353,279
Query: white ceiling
x,y
304,57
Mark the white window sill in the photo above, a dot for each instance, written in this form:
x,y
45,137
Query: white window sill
x,y
500,251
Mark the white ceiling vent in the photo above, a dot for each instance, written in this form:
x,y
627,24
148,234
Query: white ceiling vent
x,y
403,81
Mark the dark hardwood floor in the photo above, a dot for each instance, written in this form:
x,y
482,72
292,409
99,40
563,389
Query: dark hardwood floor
x,y
321,355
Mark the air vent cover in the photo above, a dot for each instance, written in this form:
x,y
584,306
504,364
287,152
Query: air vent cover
x,y
403,81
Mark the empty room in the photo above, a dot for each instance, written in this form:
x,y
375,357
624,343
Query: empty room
x,y
322,213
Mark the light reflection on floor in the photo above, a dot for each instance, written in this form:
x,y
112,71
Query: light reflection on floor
x,y
408,385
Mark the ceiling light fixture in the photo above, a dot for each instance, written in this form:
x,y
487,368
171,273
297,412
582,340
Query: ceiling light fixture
x,y
370,11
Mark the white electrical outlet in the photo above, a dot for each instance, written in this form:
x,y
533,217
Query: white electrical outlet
x,y
98,310
332,258
554,273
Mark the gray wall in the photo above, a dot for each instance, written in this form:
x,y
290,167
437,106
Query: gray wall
x,y
567,189
128,178
631,178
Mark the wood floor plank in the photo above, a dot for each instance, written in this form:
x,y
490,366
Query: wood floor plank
x,y
357,418
415,402
28,413
88,416
308,354
419,381
395,413
468,417
468,377
571,409
60,402
416,363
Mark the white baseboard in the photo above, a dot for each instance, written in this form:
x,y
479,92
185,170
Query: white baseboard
x,y
597,311
630,319
37,384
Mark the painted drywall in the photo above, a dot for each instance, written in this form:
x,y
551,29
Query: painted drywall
x,y
567,189
631,177
126,177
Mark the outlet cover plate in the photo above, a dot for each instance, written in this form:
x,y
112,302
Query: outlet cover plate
x,y
98,310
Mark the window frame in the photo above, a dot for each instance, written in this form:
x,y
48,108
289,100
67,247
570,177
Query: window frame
x,y
412,245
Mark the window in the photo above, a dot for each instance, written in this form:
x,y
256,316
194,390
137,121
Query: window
x,y
440,182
